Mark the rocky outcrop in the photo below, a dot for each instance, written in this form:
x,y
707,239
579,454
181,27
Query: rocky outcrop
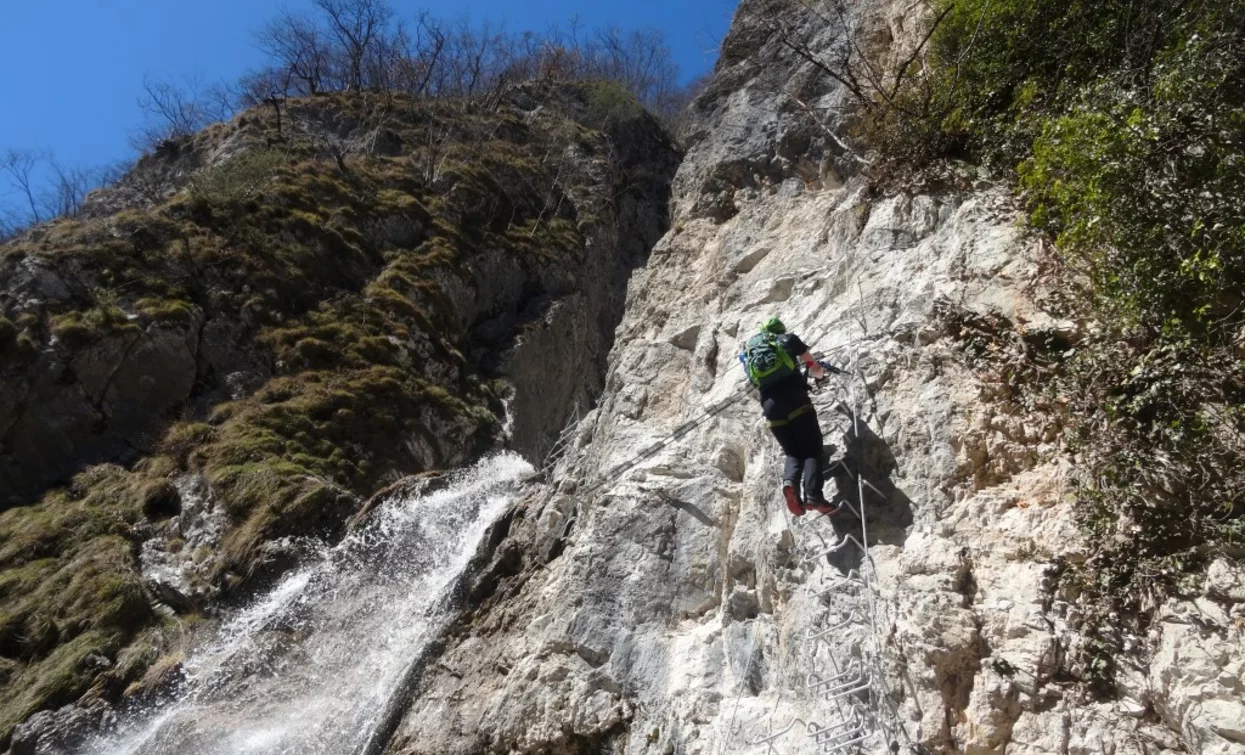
x,y
666,608
99,372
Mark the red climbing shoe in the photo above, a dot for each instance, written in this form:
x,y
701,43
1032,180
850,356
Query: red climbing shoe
x,y
822,507
793,501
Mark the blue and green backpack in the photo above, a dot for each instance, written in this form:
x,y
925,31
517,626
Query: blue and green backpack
x,y
766,361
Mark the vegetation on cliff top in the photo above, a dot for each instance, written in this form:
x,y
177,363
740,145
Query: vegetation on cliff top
x,y
346,273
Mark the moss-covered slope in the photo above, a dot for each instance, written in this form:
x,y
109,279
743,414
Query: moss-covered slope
x,y
282,313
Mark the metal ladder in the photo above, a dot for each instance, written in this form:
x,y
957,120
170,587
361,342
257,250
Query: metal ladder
x,y
847,688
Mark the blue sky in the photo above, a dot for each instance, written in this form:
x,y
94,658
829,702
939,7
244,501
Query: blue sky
x,y
71,71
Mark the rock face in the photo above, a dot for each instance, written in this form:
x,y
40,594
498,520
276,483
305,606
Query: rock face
x,y
667,605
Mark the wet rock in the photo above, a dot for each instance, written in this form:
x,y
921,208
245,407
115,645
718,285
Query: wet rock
x,y
56,732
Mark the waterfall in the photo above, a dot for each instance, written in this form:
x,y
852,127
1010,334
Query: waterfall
x,y
313,666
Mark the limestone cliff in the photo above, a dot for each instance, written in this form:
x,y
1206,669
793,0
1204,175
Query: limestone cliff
x,y
675,607
264,323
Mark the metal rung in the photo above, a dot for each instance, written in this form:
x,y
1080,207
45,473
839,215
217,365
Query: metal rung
x,y
839,685
853,577
848,678
865,683
862,736
774,736
874,489
828,736
846,468
814,728
852,618
836,548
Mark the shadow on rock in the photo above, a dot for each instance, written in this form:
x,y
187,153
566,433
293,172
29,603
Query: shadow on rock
x,y
866,467
689,508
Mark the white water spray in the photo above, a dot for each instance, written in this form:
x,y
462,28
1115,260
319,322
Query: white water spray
x,y
311,667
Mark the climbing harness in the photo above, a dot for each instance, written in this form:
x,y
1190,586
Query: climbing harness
x,y
799,412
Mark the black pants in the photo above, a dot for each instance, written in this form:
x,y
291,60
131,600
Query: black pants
x,y
801,441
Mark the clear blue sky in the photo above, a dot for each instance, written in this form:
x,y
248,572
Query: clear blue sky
x,y
71,71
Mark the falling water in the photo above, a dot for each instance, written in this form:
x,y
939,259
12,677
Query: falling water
x,y
312,667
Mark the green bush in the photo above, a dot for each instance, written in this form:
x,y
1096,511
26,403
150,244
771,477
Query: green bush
x,y
1123,126
610,102
238,179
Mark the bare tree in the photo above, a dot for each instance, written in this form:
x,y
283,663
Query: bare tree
x,y
270,87
874,84
354,45
46,187
639,60
300,47
11,223
423,58
672,107
69,187
475,59
171,111
267,84
357,26
21,166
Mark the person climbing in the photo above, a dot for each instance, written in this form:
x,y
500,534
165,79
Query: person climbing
x,y
770,359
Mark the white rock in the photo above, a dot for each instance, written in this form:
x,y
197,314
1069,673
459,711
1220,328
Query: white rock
x,y
1226,579
699,634
1226,718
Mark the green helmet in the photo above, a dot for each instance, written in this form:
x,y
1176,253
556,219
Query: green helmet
x,y
773,325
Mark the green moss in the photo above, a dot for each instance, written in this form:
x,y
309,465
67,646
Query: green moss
x,y
610,103
83,327
8,334
56,680
164,310
344,283
239,179
183,438
87,600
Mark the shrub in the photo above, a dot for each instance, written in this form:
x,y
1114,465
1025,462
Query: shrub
x,y
1124,128
238,179
610,102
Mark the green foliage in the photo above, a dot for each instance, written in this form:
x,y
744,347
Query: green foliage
x,y
352,284
610,102
69,588
1144,193
1124,127
238,179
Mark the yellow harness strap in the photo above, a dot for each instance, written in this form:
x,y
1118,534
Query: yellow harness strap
x,y
799,412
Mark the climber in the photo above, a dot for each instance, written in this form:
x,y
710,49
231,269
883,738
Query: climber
x,y
770,359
